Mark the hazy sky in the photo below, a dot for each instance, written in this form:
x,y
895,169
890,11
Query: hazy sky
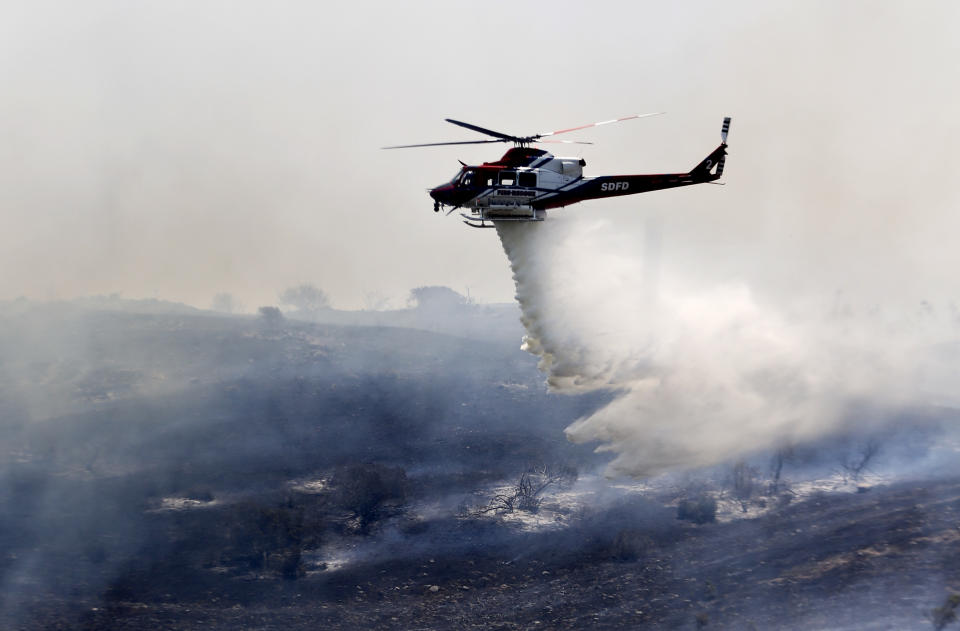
x,y
180,149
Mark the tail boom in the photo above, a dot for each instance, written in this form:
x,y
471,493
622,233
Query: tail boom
x,y
709,170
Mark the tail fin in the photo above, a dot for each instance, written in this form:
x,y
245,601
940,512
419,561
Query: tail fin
x,y
712,166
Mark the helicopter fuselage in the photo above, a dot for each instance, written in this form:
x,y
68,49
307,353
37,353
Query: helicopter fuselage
x,y
526,182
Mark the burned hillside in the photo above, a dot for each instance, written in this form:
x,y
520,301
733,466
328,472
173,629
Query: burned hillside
x,y
191,470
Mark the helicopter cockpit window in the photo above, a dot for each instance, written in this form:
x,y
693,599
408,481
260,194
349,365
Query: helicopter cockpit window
x,y
527,178
466,178
508,178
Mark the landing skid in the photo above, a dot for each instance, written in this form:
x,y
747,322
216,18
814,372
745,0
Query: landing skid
x,y
471,220
472,223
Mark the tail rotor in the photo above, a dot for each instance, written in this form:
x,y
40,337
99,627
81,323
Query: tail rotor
x,y
723,140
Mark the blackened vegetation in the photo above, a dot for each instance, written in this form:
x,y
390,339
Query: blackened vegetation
x,y
270,317
165,458
701,510
189,471
857,461
743,483
370,492
946,613
526,494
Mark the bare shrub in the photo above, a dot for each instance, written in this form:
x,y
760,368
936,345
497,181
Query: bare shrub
x,y
743,483
526,493
857,461
780,457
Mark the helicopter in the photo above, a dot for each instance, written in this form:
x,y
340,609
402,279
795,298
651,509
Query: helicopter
x,y
526,182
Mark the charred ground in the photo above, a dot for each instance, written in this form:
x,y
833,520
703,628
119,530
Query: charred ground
x,y
184,470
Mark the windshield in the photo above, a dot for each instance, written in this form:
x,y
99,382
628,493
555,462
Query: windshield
x,y
465,178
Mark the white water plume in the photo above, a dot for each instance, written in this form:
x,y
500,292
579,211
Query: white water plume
x,y
707,374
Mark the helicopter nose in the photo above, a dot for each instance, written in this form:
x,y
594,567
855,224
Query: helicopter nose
x,y
441,193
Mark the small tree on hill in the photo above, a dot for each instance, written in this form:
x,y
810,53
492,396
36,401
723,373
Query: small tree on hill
x,y
857,463
743,483
307,299
225,303
782,456
437,297
271,317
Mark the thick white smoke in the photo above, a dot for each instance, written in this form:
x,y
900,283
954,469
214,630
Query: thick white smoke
x,y
706,374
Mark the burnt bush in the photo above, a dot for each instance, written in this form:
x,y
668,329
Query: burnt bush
x,y
944,615
270,317
271,537
630,545
743,483
290,565
701,510
370,492
629,530
525,495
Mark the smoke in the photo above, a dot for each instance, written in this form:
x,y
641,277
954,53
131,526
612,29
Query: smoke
x,y
707,373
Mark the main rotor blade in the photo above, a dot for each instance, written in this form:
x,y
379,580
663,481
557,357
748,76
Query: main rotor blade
x,y
566,142
482,130
438,144
615,120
